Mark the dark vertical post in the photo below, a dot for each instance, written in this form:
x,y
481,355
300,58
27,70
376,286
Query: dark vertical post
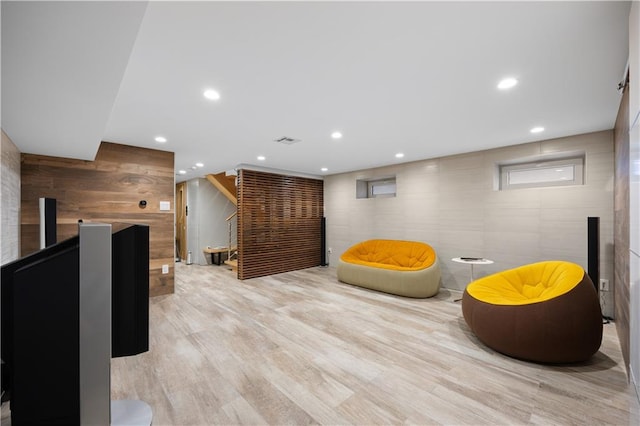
x,y
323,241
593,250
48,222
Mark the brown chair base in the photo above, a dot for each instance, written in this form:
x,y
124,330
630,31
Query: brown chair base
x,y
565,329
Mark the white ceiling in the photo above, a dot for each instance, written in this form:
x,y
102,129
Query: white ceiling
x,y
412,77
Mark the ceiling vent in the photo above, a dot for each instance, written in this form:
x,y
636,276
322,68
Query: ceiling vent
x,y
286,140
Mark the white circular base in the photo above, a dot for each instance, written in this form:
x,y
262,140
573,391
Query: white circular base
x,y
129,412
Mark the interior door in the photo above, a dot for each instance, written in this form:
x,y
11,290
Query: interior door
x,y
181,220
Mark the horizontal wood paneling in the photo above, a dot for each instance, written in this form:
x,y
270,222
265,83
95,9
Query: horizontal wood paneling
x,y
278,223
107,190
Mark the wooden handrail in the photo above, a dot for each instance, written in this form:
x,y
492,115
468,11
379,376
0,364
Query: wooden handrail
x,y
232,215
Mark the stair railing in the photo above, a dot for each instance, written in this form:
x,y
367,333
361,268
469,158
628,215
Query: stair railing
x,y
229,226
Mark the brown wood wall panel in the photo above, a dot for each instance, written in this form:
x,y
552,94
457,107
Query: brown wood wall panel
x,y
279,221
622,300
106,190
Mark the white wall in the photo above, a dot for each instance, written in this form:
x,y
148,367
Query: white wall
x,y
9,201
451,204
634,192
206,224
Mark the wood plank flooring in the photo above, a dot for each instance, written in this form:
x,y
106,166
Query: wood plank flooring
x,y
302,348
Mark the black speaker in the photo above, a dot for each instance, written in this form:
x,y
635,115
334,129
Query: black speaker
x,y
48,222
323,242
593,250
129,290
40,325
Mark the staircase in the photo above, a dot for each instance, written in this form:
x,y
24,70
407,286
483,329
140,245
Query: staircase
x,y
227,186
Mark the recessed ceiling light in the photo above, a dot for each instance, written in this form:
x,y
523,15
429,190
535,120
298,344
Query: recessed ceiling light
x,y
193,167
261,158
324,169
161,139
182,172
211,94
399,155
199,165
537,129
507,83
336,135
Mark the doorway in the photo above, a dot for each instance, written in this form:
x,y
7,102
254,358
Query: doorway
x,y
181,220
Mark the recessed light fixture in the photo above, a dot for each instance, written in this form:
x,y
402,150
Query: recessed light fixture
x,y
399,155
199,165
537,129
161,139
261,158
336,135
182,172
193,167
324,169
211,94
507,83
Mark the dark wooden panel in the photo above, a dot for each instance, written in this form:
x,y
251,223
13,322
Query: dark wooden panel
x,y
621,286
107,190
278,223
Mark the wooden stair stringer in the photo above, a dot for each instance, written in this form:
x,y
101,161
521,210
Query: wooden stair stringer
x,y
224,184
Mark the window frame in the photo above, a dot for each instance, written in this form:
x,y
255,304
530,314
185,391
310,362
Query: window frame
x,y
366,188
575,161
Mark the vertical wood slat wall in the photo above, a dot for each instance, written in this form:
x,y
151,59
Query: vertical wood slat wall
x,y
106,190
279,220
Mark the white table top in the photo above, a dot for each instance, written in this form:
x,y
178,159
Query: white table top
x,y
472,260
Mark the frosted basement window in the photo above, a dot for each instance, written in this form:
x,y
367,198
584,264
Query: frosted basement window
x,y
376,188
568,171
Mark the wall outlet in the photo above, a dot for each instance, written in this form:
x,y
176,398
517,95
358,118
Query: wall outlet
x,y
165,269
329,250
604,285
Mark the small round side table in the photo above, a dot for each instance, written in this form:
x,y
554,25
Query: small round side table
x,y
471,261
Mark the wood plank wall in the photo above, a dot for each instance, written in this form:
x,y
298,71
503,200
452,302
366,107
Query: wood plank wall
x,y
106,190
621,263
279,219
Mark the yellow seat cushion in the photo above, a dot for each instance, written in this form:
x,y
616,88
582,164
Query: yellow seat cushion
x,y
527,284
395,255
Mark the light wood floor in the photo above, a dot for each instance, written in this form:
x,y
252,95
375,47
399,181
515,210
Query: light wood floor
x,y
302,348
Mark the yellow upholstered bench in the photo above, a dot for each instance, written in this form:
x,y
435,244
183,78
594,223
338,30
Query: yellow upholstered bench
x,y
405,268
545,312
